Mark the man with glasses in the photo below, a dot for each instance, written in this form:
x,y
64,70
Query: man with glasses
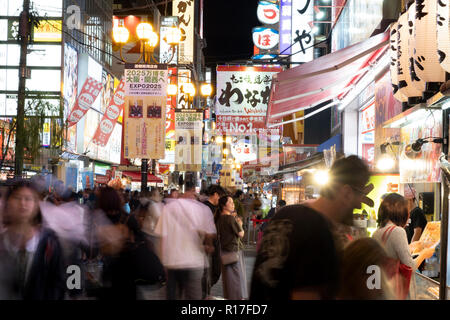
x,y
299,253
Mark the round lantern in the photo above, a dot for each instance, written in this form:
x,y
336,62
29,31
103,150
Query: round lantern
x,y
443,34
416,81
405,85
394,64
426,61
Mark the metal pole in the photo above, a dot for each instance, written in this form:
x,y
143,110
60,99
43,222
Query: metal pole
x,y
444,240
24,31
144,170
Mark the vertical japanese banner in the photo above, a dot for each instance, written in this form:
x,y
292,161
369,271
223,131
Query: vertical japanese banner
x,y
86,98
188,150
302,17
70,91
145,111
184,76
243,94
46,133
112,113
167,53
285,26
184,10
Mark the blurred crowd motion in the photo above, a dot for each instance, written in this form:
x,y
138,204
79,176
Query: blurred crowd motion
x,y
105,243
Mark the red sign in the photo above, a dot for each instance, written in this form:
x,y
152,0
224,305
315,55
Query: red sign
x,y
91,90
112,113
164,168
368,118
368,153
240,124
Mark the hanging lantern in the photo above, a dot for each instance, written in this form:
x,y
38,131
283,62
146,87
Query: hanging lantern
x,y
443,35
416,81
426,61
394,64
405,85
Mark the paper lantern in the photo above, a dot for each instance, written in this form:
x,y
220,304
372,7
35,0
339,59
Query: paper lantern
x,y
443,35
416,81
426,61
394,64
405,85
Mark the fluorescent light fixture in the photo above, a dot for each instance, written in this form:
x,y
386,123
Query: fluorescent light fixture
x,y
446,105
385,163
320,15
408,119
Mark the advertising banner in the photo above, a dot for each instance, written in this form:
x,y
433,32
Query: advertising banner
x,y
70,90
184,76
167,53
301,31
386,107
87,178
72,178
46,133
108,90
188,150
86,98
243,95
109,120
145,111
285,26
184,10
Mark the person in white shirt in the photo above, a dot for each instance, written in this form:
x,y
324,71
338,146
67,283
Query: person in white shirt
x,y
393,215
184,226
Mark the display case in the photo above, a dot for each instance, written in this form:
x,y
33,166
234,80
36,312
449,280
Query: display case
x,y
426,288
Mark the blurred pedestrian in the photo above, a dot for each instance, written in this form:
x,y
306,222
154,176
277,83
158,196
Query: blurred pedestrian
x,y
186,228
116,233
239,207
229,229
271,213
360,260
134,201
31,260
212,274
300,248
126,201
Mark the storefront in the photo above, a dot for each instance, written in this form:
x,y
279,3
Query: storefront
x,y
135,178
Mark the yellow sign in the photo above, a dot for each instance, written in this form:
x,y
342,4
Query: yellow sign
x,y
48,31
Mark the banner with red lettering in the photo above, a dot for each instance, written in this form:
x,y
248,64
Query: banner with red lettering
x,y
91,90
112,113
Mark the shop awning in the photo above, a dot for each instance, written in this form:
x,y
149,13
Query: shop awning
x,y
136,176
323,79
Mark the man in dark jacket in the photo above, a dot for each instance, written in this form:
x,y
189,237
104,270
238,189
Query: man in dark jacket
x,y
211,276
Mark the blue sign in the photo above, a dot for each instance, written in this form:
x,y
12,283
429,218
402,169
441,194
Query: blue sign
x,y
335,141
72,178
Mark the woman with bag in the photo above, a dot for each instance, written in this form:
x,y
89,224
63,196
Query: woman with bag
x,y
229,229
392,217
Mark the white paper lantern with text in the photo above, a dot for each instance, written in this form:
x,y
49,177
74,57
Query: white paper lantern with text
x,y
417,81
393,66
443,34
426,61
405,85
